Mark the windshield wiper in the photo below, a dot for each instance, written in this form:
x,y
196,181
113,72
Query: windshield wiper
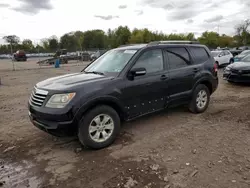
x,y
95,72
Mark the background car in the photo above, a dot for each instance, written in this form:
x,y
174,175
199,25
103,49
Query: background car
x,y
97,54
222,57
238,72
241,55
20,55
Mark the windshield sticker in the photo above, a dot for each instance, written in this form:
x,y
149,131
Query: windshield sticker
x,y
130,51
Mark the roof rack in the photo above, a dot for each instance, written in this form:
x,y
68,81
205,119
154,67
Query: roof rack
x,y
173,42
131,45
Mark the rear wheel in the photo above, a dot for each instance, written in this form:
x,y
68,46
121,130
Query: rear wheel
x,y
99,127
200,99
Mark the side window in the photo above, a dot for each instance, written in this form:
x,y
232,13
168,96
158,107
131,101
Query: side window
x,y
151,60
222,54
178,57
200,55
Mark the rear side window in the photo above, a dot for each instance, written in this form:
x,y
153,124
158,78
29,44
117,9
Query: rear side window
x,y
200,55
178,57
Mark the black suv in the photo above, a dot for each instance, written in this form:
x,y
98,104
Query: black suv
x,y
123,84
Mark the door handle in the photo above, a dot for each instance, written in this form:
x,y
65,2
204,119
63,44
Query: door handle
x,y
163,77
196,69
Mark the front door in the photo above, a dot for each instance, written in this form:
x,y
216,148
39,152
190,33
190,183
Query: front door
x,y
181,74
146,94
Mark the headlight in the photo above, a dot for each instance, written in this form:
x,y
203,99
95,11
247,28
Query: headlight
x,y
227,68
59,100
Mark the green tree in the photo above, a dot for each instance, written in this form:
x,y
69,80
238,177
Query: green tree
x,y
53,44
94,39
79,35
12,40
27,45
211,39
45,44
122,35
68,41
242,33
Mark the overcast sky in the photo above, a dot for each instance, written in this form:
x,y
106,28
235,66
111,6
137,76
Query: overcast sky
x,y
36,19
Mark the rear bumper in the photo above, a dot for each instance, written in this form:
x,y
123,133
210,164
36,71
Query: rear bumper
x,y
215,84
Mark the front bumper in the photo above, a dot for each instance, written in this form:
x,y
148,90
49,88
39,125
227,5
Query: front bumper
x,y
236,77
54,124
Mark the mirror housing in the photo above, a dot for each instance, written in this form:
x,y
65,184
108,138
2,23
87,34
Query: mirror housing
x,y
137,72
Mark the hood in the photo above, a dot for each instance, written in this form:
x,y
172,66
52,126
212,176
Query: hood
x,y
240,66
240,56
70,81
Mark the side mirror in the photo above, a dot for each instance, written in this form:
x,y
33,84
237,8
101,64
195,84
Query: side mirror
x,y
137,72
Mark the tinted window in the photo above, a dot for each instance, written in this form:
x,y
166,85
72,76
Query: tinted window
x,y
222,54
200,54
226,52
178,57
151,60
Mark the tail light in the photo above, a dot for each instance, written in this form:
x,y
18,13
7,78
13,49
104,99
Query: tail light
x,y
215,68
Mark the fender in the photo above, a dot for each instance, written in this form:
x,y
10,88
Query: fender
x,y
109,100
200,80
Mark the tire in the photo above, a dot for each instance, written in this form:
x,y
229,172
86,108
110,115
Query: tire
x,y
194,105
88,120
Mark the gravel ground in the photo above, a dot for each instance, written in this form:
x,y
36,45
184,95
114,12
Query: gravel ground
x,y
31,63
170,149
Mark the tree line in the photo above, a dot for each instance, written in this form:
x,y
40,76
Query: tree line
x,y
98,39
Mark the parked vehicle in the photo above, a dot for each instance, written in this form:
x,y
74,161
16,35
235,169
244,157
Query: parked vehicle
x,y
222,57
97,54
235,51
238,72
123,84
20,55
241,55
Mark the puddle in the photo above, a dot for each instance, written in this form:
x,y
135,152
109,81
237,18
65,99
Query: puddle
x,y
19,174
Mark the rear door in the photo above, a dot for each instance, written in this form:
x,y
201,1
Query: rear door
x,y
181,74
228,56
223,58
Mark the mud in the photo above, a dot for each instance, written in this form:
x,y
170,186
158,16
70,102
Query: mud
x,y
170,149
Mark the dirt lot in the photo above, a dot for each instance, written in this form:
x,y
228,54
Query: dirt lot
x,y
171,149
31,63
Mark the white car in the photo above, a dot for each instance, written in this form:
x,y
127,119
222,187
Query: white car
x,y
222,57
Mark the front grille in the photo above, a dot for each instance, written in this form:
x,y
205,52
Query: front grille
x,y
246,72
38,96
235,71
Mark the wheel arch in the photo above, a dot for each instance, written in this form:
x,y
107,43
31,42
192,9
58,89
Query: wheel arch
x,y
109,101
205,82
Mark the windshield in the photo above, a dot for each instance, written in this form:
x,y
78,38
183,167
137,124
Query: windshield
x,y
245,52
112,61
246,59
215,54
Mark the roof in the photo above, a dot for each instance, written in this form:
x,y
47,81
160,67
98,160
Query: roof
x,y
132,46
157,43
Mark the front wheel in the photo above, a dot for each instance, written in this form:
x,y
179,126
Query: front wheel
x,y
200,99
99,127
